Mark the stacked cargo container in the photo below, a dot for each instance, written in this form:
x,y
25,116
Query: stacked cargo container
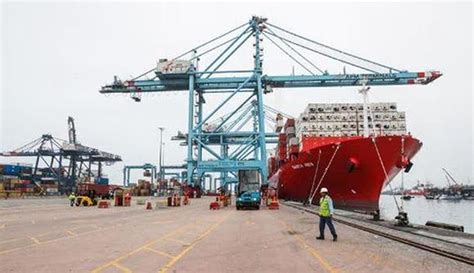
x,y
292,141
287,148
347,120
16,178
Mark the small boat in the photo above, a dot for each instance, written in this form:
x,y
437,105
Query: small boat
x,y
468,197
406,197
452,197
430,196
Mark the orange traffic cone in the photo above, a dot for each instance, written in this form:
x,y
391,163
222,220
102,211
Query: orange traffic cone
x,y
274,204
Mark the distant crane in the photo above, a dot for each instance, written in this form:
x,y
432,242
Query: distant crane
x,y
182,73
449,177
64,161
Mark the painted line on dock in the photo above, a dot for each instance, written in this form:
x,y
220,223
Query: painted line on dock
x,y
178,241
62,238
305,245
122,268
166,254
144,247
71,233
193,244
163,222
34,240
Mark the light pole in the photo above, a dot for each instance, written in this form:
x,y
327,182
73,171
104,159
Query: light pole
x,y
163,160
160,159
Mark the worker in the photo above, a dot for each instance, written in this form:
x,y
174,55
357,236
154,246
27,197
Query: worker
x,y
326,210
72,198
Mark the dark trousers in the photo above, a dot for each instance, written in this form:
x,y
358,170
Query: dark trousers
x,y
72,203
322,225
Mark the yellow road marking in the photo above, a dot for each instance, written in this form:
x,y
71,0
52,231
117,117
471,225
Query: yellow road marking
x,y
187,249
12,240
311,250
104,266
163,222
33,207
160,252
177,240
61,238
34,240
122,268
71,233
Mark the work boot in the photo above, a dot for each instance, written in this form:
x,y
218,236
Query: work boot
x,y
334,239
320,238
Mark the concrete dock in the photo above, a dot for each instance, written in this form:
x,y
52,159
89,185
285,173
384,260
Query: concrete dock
x,y
47,235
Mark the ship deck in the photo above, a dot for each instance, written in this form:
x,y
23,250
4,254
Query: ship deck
x,y
192,239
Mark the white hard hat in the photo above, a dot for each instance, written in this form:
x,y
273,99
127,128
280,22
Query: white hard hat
x,y
323,190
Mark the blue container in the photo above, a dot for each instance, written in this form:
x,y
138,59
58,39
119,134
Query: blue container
x,y
102,180
11,169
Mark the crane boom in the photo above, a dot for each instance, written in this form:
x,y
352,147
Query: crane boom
x,y
228,84
247,150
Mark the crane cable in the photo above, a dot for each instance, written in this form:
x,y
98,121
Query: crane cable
x,y
193,49
326,55
325,172
288,54
296,51
385,172
314,177
334,49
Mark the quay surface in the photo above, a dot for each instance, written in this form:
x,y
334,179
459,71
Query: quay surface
x,y
47,235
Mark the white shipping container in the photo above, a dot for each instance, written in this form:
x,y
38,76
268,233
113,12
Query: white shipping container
x,y
290,131
279,124
293,141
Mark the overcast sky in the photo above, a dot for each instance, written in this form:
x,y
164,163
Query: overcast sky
x,y
56,56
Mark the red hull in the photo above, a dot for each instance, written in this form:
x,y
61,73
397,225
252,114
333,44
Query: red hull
x,y
354,178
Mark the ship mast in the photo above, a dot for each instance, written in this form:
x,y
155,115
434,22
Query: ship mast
x,y
364,91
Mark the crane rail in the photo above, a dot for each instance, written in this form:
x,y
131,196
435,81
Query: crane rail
x,y
438,251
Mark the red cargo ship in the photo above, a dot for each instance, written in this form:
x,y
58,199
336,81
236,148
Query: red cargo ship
x,y
355,169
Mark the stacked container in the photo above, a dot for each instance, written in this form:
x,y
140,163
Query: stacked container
x,y
280,152
292,147
346,120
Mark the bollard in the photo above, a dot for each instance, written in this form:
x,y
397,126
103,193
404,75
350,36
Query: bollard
x,y
148,205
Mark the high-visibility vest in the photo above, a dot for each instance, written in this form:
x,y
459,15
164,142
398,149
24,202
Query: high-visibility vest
x,y
72,197
324,206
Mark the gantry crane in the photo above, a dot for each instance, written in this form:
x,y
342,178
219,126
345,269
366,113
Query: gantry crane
x,y
66,161
184,74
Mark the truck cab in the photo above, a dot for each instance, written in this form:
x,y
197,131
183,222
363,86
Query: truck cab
x,y
248,190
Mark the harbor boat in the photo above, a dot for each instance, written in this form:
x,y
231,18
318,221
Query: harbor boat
x,y
451,197
406,197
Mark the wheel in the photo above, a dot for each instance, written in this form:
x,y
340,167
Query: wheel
x,y
238,208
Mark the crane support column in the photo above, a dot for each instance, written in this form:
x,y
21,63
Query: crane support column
x,y
261,118
190,130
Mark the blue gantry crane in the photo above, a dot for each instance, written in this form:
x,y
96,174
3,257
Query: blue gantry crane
x,y
214,150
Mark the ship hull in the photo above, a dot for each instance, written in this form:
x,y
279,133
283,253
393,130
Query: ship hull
x,y
350,169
